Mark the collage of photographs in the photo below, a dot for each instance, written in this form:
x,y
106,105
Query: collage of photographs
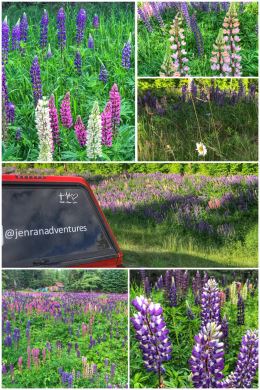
x,y
129,194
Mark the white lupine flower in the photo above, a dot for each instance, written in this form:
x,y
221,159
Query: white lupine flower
x,y
94,133
43,126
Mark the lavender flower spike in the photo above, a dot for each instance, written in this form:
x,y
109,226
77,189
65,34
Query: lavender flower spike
x,y
103,74
210,303
81,24
24,28
78,62
95,21
36,80
126,55
61,19
90,42
5,40
207,359
152,334
16,36
44,29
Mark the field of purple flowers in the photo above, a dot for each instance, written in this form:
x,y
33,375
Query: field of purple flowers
x,y
197,39
68,81
64,340
198,119
194,329
185,220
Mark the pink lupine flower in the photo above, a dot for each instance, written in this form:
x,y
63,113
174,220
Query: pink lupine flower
x,y
20,363
80,131
106,122
115,100
54,121
65,112
220,57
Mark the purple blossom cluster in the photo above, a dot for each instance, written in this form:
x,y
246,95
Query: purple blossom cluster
x,y
210,303
80,25
44,29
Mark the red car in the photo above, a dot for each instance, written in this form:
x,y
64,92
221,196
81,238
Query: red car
x,y
54,221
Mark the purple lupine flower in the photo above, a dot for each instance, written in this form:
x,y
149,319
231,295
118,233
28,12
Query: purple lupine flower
x,y
70,381
227,292
80,26
24,28
224,330
144,19
95,21
5,98
185,11
207,359
53,113
44,29
107,126
173,295
80,131
103,74
197,34
65,112
126,55
36,80
240,311
78,62
210,303
115,100
106,361
61,19
8,341
5,40
10,112
252,90
16,36
113,369
16,335
157,14
4,369
152,334
90,42
18,137
49,53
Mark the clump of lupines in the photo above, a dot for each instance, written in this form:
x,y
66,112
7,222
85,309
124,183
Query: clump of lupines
x,y
126,55
43,125
35,73
152,334
80,131
78,62
65,112
54,119
107,126
231,38
16,36
95,21
61,20
24,28
81,24
220,59
240,311
115,100
178,44
44,29
94,133
103,74
90,42
210,303
5,41
207,359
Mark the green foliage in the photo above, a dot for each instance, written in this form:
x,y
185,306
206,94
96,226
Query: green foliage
x,y
59,75
114,281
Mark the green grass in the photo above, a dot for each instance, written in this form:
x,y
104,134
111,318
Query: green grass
x,y
58,76
152,46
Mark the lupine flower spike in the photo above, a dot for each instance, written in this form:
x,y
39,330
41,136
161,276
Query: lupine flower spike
x,y
220,59
54,121
49,53
78,62
126,54
61,20
231,38
81,24
95,21
116,105
90,42
36,80
5,40
16,36
103,74
178,44
24,28
65,112
80,131
210,303
43,125
107,127
94,150
44,29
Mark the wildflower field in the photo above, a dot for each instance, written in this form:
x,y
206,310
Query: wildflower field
x,y
194,329
198,119
182,215
197,39
65,339
68,81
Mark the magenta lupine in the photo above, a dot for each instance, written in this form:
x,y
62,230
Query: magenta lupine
x,y
107,126
5,41
65,112
54,119
152,334
16,36
36,80
115,100
80,25
44,29
20,363
178,45
220,60
61,20
231,38
24,28
80,131
35,355
210,303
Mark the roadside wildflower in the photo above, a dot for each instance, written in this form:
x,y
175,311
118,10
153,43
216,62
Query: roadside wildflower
x,y
103,74
231,38
94,134
78,62
5,41
90,42
49,53
80,131
201,149
43,125
144,18
107,127
116,104
220,60
36,80
81,24
95,21
126,55
65,112
16,36
210,303
61,20
54,121
240,311
178,44
24,28
44,29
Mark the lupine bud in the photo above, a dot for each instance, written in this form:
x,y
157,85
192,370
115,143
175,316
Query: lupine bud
x,y
81,24
49,53
115,100
80,131
90,42
147,286
61,19
103,74
207,359
24,28
95,21
94,134
65,112
107,126
240,311
16,36
126,55
54,121
43,125
78,62
152,334
189,312
44,29
36,80
5,40
210,303
178,44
